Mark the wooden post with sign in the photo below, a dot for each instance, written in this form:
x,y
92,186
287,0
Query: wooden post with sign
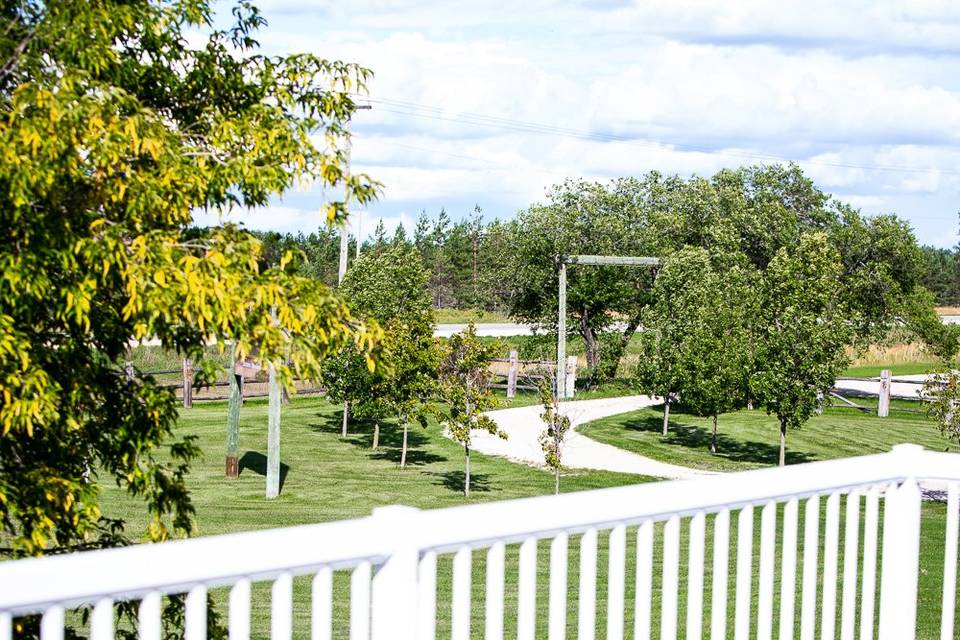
x,y
883,404
570,376
512,374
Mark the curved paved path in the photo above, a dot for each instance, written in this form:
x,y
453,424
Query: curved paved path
x,y
523,427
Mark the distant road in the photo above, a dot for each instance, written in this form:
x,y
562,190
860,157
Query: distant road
x,y
488,329
507,329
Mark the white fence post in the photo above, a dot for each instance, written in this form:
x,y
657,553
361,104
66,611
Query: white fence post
x,y
512,374
901,556
883,404
570,379
395,584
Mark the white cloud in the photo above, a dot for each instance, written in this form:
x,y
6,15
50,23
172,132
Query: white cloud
x,y
693,85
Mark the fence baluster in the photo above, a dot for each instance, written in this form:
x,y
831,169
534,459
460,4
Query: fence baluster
x,y
493,625
616,574
768,533
239,612
695,577
281,608
195,614
149,624
6,626
644,578
321,605
868,590
51,624
586,618
527,590
950,565
101,620
811,546
427,600
557,626
460,613
788,569
851,546
721,569
670,588
831,544
360,602
744,584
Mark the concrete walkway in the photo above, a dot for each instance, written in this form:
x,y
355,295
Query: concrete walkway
x,y
524,426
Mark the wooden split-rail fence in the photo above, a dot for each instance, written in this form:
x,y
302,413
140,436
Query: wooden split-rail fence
x,y
509,373
255,383
512,373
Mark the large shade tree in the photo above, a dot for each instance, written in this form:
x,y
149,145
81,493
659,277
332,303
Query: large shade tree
x,y
604,303
115,129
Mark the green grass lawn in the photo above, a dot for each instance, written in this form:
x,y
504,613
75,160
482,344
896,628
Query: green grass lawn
x,y
749,439
329,478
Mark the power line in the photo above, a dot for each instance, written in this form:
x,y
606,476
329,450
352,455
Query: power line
x,y
434,113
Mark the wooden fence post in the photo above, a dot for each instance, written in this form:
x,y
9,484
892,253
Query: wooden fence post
x,y
187,383
883,405
570,377
512,374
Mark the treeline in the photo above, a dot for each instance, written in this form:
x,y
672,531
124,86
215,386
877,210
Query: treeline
x,y
464,259
941,274
470,261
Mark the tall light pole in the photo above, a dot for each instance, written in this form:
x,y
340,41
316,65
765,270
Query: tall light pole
x,y
345,227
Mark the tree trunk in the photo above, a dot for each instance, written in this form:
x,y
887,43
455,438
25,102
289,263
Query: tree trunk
x,y
376,434
556,481
783,442
713,441
403,451
666,413
590,341
466,472
346,417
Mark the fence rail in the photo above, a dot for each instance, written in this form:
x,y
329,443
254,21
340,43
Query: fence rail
x,y
392,561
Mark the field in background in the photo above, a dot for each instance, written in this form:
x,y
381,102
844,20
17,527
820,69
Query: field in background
x,y
462,316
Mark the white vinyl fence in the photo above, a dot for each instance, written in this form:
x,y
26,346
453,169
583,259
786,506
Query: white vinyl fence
x,y
646,560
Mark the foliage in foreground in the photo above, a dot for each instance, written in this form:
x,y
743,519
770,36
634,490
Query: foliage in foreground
x,y
114,131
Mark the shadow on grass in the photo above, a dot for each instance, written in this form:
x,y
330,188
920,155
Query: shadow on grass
x,y
360,435
693,437
257,462
454,480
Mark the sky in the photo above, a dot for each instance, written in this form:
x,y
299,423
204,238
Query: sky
x,y
488,103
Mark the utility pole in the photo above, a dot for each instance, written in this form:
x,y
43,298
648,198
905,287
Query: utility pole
x,y
345,227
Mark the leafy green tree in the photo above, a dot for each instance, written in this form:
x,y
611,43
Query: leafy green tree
x,y
585,218
465,377
801,330
556,427
703,313
114,131
389,287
